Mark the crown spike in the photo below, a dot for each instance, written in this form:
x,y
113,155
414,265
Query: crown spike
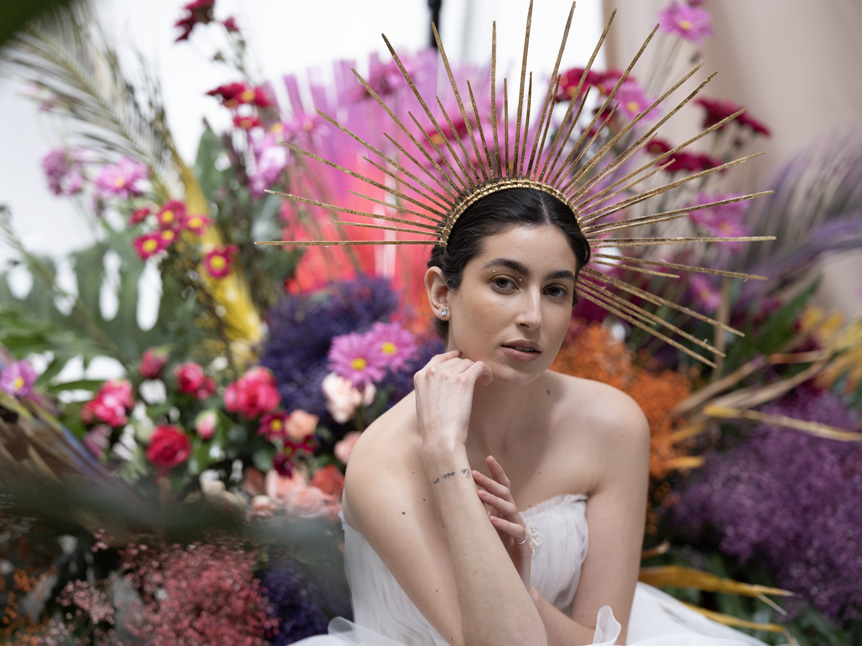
x,y
544,126
465,184
568,124
471,168
521,88
523,153
397,207
497,170
454,85
659,242
506,126
407,184
673,265
481,130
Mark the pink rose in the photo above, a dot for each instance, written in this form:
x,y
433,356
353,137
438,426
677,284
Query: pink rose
x,y
279,487
253,394
342,398
262,507
329,480
152,362
191,380
344,447
301,425
307,502
169,446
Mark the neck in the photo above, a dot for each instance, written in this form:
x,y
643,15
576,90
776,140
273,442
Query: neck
x,y
501,415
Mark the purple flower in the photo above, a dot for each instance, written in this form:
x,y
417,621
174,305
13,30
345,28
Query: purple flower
x,y
788,501
121,179
705,293
687,22
64,170
17,378
724,220
357,357
397,344
632,100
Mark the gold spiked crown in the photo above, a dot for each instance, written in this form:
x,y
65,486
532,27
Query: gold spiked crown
x,y
571,172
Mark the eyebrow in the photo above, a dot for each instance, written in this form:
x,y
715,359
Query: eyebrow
x,y
522,269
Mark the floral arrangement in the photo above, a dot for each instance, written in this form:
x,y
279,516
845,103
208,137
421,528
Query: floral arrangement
x,y
228,431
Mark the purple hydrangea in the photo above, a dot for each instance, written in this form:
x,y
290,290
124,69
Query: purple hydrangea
x,y
301,329
788,501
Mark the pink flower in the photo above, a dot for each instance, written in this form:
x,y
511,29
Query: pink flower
x,y
273,426
632,100
148,245
197,224
397,344
229,93
269,166
570,79
64,170
307,502
246,122
206,424
218,261
121,179
167,237
704,292
282,464
301,425
198,12
230,24
342,398
169,446
171,215
191,380
724,220
262,507
687,22
113,400
17,378
253,394
329,480
278,487
357,357
153,362
344,447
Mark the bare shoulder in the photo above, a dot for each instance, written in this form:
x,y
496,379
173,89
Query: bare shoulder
x,y
606,420
385,475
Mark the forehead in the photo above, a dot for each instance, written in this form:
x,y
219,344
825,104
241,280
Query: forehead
x,y
542,248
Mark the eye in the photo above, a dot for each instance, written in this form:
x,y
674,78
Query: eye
x,y
557,291
503,283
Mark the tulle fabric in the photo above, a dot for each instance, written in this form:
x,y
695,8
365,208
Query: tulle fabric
x,y
385,616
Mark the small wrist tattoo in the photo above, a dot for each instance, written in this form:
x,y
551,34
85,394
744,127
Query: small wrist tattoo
x,y
451,474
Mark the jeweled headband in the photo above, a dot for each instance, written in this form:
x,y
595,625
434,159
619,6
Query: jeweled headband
x,y
561,169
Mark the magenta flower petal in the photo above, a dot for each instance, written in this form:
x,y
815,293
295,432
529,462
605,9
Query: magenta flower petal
x,y
396,344
687,22
17,378
357,357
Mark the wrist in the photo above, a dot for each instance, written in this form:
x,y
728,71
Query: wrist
x,y
441,458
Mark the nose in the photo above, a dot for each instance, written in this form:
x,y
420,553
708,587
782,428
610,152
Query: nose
x,y
530,312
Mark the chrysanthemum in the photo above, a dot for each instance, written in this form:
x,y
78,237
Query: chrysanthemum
x,y
724,220
632,99
397,344
148,245
357,357
17,378
219,261
705,293
171,214
121,179
197,224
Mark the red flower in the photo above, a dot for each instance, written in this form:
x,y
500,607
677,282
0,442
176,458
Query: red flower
x,y
229,93
282,465
152,362
756,126
657,146
200,12
253,394
169,446
167,236
329,480
218,261
274,425
246,122
171,215
716,110
256,96
197,224
191,380
140,215
570,79
148,245
110,405
693,162
230,24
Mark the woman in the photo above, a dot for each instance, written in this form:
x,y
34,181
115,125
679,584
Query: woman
x,y
468,507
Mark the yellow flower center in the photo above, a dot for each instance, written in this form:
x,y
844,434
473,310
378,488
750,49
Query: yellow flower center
x,y
436,139
389,348
358,364
685,25
247,96
632,106
168,216
168,235
218,262
276,128
724,227
150,245
19,383
276,425
194,222
119,182
705,294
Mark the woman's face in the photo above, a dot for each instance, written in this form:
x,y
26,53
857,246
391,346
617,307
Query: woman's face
x,y
514,303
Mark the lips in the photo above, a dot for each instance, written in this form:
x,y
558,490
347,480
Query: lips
x,y
523,346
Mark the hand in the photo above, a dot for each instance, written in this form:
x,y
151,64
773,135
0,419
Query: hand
x,y
444,397
496,493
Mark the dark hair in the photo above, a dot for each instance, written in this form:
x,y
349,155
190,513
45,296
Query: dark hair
x,y
495,214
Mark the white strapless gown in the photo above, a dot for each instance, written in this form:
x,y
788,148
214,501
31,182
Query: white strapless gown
x,y
385,616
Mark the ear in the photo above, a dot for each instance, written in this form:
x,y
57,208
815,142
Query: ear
x,y
438,292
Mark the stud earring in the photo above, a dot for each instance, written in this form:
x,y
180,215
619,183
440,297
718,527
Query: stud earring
x,y
443,312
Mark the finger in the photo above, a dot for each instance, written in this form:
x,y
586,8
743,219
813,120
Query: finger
x,y
492,485
505,508
518,533
480,373
444,356
497,472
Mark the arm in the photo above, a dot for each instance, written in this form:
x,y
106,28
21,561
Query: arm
x,y
436,538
